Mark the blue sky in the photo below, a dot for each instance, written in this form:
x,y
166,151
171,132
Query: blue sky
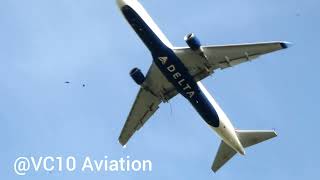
x,y
45,43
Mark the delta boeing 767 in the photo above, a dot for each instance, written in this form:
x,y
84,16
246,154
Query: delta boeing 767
x,y
177,70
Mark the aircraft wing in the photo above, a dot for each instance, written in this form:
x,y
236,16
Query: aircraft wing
x,y
154,90
221,57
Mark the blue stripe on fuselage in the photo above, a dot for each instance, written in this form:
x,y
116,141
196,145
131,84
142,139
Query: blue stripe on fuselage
x,y
172,68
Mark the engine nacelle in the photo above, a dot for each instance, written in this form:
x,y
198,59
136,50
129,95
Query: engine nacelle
x,y
137,76
193,42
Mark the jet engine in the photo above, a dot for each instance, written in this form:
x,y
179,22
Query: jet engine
x,y
194,43
137,76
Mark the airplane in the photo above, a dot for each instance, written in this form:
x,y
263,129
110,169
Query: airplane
x,y
179,70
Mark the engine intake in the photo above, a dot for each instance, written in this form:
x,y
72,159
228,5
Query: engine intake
x,y
137,76
193,42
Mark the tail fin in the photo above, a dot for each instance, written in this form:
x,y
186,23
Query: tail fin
x,y
247,138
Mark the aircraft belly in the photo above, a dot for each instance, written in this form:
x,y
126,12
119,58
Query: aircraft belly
x,y
176,73
172,67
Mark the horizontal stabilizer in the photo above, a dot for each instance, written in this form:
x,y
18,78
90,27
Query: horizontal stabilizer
x,y
247,138
252,137
225,153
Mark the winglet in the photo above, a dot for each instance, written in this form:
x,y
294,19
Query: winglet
x,y
285,45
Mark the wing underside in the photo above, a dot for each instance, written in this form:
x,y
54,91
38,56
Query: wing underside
x,y
155,89
143,108
221,57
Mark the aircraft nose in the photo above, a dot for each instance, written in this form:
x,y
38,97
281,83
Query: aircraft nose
x,y
121,3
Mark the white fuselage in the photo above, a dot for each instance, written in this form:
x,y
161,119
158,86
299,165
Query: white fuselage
x,y
225,130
